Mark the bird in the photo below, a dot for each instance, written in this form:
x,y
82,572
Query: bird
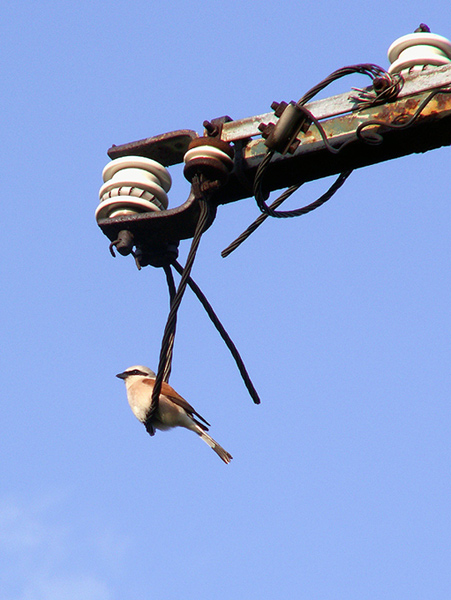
x,y
172,410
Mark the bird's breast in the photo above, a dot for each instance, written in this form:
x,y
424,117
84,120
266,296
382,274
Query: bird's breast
x,y
140,400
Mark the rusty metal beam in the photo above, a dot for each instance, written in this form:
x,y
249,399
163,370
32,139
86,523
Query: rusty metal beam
x,y
340,104
311,160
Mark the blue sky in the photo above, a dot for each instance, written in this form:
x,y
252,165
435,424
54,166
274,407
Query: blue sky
x,y
339,487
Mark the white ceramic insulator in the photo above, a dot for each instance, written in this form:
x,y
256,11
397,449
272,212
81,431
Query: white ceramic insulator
x,y
133,184
414,51
208,152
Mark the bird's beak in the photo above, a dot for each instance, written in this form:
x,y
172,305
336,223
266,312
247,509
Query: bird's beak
x,y
122,375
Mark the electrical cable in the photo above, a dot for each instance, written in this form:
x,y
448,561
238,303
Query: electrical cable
x,y
300,211
258,221
371,70
385,82
223,333
172,291
164,367
169,331
386,88
167,343
305,209
375,138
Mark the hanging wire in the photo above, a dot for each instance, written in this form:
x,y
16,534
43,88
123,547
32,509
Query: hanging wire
x,y
223,333
172,292
176,295
167,343
259,196
164,364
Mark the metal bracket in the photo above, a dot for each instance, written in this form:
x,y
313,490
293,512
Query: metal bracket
x,y
167,149
311,160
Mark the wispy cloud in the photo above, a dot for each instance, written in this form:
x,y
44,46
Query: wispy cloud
x,y
24,528
47,560
66,588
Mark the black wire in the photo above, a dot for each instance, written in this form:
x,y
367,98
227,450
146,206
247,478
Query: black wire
x,y
372,137
306,209
167,343
172,291
375,138
169,331
223,333
389,90
332,149
280,214
369,69
258,221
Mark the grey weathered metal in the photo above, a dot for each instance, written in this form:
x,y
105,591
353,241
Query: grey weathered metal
x,y
339,118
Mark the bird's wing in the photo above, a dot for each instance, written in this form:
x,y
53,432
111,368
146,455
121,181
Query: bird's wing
x,y
170,393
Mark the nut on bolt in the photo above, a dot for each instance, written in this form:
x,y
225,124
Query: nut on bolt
x,y
279,107
266,129
210,129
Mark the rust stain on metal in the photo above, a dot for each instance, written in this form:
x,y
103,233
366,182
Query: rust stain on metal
x,y
338,128
411,104
442,100
167,148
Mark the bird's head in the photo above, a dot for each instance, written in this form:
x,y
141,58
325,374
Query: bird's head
x,y
136,371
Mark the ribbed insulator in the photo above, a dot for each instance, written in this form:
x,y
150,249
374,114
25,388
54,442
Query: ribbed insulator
x,y
133,184
210,157
414,51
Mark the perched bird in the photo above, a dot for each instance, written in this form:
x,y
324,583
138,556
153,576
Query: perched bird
x,y
172,410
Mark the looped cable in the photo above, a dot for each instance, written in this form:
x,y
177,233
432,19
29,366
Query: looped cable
x,y
270,210
299,211
384,82
386,88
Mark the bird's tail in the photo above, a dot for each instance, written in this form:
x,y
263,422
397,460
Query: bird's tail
x,y
223,454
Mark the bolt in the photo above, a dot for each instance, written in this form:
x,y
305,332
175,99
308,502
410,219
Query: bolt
x,y
422,28
294,146
210,128
266,129
279,107
380,84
